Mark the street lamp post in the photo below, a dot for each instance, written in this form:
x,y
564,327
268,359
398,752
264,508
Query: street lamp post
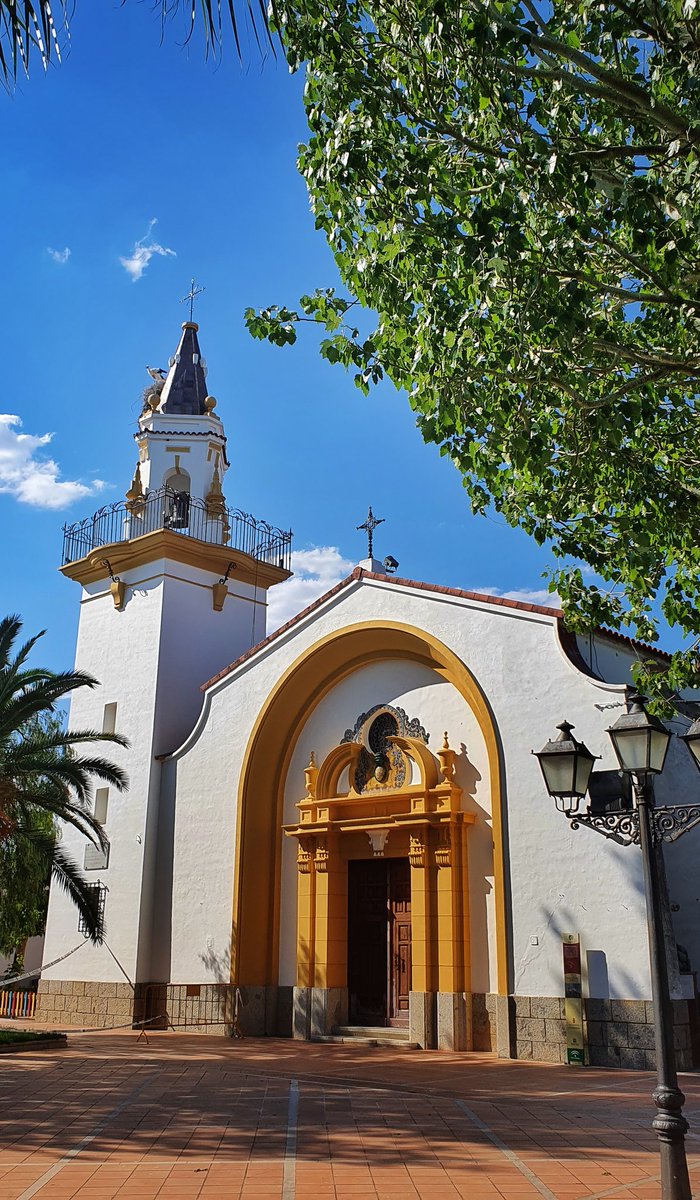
x,y
641,743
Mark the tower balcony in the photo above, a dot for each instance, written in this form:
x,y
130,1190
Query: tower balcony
x,y
179,516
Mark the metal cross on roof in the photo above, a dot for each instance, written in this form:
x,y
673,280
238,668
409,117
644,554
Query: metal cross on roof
x,y
194,291
369,526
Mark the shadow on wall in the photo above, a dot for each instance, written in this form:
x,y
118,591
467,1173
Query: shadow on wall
x,y
559,920
217,965
466,775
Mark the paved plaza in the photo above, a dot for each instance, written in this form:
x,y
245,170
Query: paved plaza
x,y
192,1116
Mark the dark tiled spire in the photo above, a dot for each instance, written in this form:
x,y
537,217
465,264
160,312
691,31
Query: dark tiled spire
x,y
185,388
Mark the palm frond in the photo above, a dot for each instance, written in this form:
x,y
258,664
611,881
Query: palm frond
x,y
62,739
251,13
39,766
72,774
29,28
20,702
63,809
70,878
9,626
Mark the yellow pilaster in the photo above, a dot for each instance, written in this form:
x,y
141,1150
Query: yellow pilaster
x,y
423,917
331,924
466,918
306,905
450,923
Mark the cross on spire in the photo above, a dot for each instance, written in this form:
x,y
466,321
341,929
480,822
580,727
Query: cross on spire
x,y
195,290
369,526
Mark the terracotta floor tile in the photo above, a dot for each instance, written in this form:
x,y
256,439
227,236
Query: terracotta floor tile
x,y
211,1124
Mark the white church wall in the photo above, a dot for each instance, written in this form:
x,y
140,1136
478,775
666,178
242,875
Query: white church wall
x,y
607,656
196,641
560,880
422,693
121,650
151,657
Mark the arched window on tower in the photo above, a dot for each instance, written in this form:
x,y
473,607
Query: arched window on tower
x,y
177,499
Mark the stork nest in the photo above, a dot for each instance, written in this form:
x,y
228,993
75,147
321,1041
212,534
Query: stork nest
x,y
154,389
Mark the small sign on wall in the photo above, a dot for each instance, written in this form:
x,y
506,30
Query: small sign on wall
x,y
573,1002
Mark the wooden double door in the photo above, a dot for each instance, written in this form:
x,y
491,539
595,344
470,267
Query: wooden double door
x,y
379,941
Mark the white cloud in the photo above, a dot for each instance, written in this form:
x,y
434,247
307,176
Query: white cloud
x,y
59,256
31,478
315,571
135,263
524,595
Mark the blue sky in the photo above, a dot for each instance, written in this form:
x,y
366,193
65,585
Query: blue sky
x,y
132,144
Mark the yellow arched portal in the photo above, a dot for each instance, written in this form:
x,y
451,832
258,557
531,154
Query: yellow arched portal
x,y
257,879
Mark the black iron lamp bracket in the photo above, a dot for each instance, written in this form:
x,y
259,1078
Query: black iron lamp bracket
x,y
668,823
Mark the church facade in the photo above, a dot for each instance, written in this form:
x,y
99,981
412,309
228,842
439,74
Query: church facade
x,y
340,827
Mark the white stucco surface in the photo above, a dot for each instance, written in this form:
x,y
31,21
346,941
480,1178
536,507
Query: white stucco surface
x,y
559,880
121,649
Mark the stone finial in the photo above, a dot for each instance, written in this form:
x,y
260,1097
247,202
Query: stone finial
x,y
215,493
447,760
134,495
310,776
214,499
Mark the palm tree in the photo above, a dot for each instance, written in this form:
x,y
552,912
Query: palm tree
x,y
31,27
42,768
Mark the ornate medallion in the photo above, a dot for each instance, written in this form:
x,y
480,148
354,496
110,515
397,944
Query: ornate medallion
x,y
381,765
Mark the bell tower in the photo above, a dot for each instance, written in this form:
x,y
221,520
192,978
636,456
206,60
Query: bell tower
x,y
181,442
174,586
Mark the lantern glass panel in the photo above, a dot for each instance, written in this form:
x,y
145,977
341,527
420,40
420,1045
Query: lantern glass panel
x,y
641,750
584,766
558,770
693,744
631,748
657,750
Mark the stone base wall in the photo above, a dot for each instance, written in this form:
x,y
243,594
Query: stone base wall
x,y
316,1011
199,1008
620,1033
617,1033
483,1020
82,1004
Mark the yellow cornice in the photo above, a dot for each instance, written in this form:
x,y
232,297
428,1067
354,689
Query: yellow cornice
x,y
163,543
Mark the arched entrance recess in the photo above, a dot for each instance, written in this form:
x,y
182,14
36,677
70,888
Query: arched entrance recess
x,y
256,894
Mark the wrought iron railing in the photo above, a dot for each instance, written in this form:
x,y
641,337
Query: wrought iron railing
x,y
182,514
